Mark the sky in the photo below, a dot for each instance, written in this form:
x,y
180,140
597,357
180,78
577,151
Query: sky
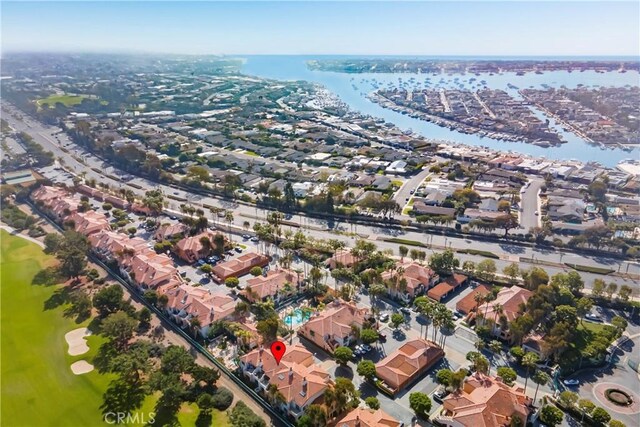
x,y
348,28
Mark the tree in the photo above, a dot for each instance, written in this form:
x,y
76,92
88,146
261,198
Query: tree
x,y
366,369
205,403
256,271
52,242
268,328
108,300
540,378
583,306
232,282
625,293
443,376
600,415
372,402
534,277
506,222
343,395
119,328
598,288
397,319
481,364
507,374
586,406
144,316
242,416
469,268
568,399
512,271
314,416
369,336
403,250
443,263
420,404
529,361
209,376
551,416
616,423
343,355
486,270
517,352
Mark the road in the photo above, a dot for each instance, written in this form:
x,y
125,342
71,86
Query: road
x,y
530,204
404,192
53,140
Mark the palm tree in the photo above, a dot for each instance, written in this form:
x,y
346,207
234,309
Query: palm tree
x,y
529,361
228,216
195,324
496,348
540,378
478,298
274,395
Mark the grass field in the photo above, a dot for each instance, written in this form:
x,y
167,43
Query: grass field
x,y
66,100
38,387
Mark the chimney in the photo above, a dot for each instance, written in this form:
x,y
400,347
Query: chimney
x,y
290,374
304,384
357,420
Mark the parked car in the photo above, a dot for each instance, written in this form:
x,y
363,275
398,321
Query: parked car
x,y
593,317
246,236
384,317
255,239
366,347
571,382
238,249
440,394
382,337
457,315
405,310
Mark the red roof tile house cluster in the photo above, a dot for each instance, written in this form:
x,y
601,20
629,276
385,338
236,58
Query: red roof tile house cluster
x,y
447,286
365,417
332,327
56,201
298,378
239,266
168,231
89,222
91,192
508,303
187,303
468,304
407,363
273,285
341,258
192,249
484,402
418,279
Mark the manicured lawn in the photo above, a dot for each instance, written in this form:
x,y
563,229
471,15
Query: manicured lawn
x,y
38,387
67,100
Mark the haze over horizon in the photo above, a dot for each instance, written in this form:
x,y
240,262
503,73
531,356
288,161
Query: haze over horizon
x,y
325,28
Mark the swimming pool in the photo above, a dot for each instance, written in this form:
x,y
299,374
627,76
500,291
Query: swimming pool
x,y
296,318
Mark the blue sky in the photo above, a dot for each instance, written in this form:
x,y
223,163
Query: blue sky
x,y
368,28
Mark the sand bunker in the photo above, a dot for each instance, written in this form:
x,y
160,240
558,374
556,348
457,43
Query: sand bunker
x,y
77,343
81,367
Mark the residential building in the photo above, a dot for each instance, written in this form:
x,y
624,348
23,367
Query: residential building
x,y
341,258
508,304
272,285
89,222
169,231
365,417
192,248
407,363
300,380
418,279
447,286
239,266
484,402
468,303
333,327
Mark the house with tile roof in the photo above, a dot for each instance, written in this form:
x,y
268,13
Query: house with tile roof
x,y
447,286
333,326
89,222
191,248
341,258
299,379
365,417
468,303
56,201
507,304
169,231
407,363
275,284
484,402
186,303
238,267
418,279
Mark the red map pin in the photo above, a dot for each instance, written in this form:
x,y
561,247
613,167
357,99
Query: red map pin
x,y
277,349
